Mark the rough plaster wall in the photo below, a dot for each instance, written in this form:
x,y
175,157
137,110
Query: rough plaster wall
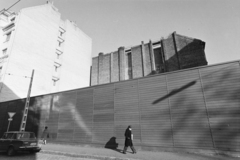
x,y
33,47
75,72
137,68
147,60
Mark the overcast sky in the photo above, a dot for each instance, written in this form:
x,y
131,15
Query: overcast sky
x,y
115,23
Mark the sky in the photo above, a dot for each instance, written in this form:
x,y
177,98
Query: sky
x,y
114,23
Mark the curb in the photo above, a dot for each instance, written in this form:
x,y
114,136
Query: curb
x,y
84,155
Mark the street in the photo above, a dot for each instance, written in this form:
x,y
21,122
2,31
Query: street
x,y
39,156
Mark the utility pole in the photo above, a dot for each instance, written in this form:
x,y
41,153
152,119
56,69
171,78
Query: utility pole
x,y
10,6
25,111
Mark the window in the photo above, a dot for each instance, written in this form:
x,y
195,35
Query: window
x,y
129,64
4,51
8,36
8,27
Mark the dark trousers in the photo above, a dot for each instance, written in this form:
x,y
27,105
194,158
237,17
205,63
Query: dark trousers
x,y
128,142
132,148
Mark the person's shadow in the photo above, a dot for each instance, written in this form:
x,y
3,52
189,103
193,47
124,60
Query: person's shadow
x,y
112,144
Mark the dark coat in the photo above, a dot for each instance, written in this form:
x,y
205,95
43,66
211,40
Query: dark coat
x,y
128,138
45,134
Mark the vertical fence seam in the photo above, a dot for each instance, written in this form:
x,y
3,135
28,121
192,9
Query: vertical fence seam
x,y
140,113
170,111
74,127
114,116
93,115
204,98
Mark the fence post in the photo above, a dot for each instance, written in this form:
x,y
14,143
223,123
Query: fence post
x,y
206,108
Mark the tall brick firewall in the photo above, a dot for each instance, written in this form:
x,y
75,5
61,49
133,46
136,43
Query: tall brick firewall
x,y
191,52
170,54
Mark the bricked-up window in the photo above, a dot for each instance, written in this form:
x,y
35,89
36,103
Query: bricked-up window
x,y
13,19
55,80
129,64
4,51
61,33
58,56
59,43
8,36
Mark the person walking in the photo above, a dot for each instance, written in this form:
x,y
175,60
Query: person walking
x,y
128,140
45,134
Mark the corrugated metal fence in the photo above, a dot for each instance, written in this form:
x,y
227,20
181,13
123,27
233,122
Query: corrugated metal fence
x,y
193,109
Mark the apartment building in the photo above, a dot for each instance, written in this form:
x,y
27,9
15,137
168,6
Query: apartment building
x,y
164,55
37,38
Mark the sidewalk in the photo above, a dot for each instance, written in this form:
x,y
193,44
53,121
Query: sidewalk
x,y
109,154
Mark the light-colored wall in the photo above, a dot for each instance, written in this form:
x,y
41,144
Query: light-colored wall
x,y
76,58
34,47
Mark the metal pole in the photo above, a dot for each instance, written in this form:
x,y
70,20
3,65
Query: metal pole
x,y
25,111
13,5
8,125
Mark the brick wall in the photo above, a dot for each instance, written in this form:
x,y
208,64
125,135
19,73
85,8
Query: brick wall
x,y
100,68
191,52
137,68
105,69
171,59
94,72
115,68
170,54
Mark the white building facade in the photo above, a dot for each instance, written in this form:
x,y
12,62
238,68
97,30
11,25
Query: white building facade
x,y
38,39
